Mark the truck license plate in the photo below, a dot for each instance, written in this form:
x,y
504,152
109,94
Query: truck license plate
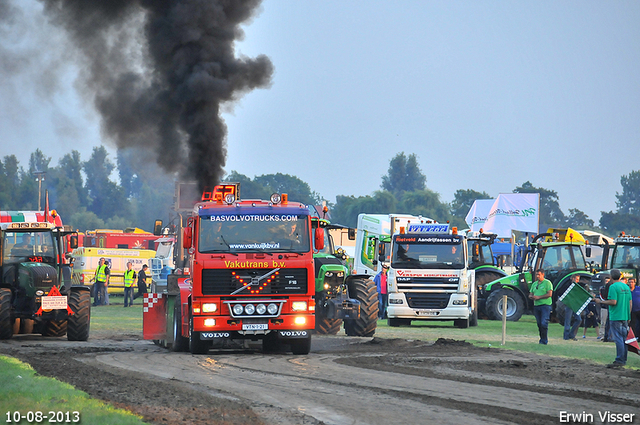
x,y
54,303
428,312
255,326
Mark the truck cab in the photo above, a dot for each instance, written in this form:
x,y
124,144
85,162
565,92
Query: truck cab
x,y
429,276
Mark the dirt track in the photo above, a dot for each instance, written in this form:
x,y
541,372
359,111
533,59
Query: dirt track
x,y
343,381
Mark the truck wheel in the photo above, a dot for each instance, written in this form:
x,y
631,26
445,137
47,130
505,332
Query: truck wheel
x,y
461,323
270,343
473,318
196,345
363,290
6,327
54,328
301,346
78,323
515,305
325,326
180,343
394,323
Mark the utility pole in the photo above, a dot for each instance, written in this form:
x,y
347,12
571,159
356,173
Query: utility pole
x,y
39,178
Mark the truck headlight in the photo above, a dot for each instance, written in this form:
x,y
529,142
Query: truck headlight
x,y
209,307
261,309
249,309
237,309
299,306
272,309
209,322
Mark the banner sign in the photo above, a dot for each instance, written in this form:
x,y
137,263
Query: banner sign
x,y
513,211
478,213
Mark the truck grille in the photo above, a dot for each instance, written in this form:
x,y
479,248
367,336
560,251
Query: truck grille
x,y
428,284
419,300
226,281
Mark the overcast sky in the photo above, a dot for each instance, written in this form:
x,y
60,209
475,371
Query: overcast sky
x,y
488,95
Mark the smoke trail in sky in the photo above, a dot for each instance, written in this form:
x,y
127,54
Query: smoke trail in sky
x,y
158,72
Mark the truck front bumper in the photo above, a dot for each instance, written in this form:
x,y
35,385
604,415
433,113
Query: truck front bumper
x,y
398,308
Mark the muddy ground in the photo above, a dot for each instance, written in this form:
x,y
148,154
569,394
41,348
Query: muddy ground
x,y
161,400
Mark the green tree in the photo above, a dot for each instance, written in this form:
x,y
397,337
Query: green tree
x,y
613,223
9,182
66,189
578,219
296,189
629,200
404,175
249,189
463,200
550,213
425,203
84,220
107,199
347,208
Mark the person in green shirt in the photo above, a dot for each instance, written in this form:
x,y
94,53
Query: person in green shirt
x,y
541,292
619,302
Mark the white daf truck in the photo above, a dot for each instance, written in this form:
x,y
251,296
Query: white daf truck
x,y
429,276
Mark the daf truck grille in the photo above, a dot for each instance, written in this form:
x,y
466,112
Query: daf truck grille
x,y
227,281
428,284
420,300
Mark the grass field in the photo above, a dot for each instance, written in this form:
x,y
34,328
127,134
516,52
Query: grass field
x,y
26,393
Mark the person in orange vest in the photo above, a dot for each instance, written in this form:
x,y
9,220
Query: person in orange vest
x,y
129,281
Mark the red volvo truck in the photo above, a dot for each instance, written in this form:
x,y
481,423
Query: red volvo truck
x,y
250,276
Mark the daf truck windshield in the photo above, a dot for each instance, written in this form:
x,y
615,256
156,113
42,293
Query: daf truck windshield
x,y
427,252
253,233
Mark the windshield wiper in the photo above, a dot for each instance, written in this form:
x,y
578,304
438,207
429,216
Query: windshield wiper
x,y
228,246
254,281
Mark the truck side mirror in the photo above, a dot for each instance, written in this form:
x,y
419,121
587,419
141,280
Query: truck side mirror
x,y
351,234
382,254
319,238
157,227
187,238
73,241
587,251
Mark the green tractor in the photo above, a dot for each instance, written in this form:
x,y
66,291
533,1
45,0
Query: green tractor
x,y
559,260
625,256
342,298
37,294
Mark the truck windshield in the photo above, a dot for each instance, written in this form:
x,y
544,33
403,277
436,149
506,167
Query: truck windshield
x,y
626,256
254,233
35,247
428,252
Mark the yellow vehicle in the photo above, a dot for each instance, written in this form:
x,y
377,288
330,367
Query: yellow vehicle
x,y
86,262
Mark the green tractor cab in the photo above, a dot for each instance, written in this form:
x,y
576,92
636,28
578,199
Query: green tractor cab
x,y
559,260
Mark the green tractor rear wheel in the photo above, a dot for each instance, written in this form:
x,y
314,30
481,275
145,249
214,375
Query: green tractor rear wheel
x,y
78,323
363,290
6,326
325,326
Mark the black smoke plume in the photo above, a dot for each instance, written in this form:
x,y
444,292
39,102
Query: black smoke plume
x,y
158,72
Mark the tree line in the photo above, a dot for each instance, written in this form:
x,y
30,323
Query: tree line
x,y
134,191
